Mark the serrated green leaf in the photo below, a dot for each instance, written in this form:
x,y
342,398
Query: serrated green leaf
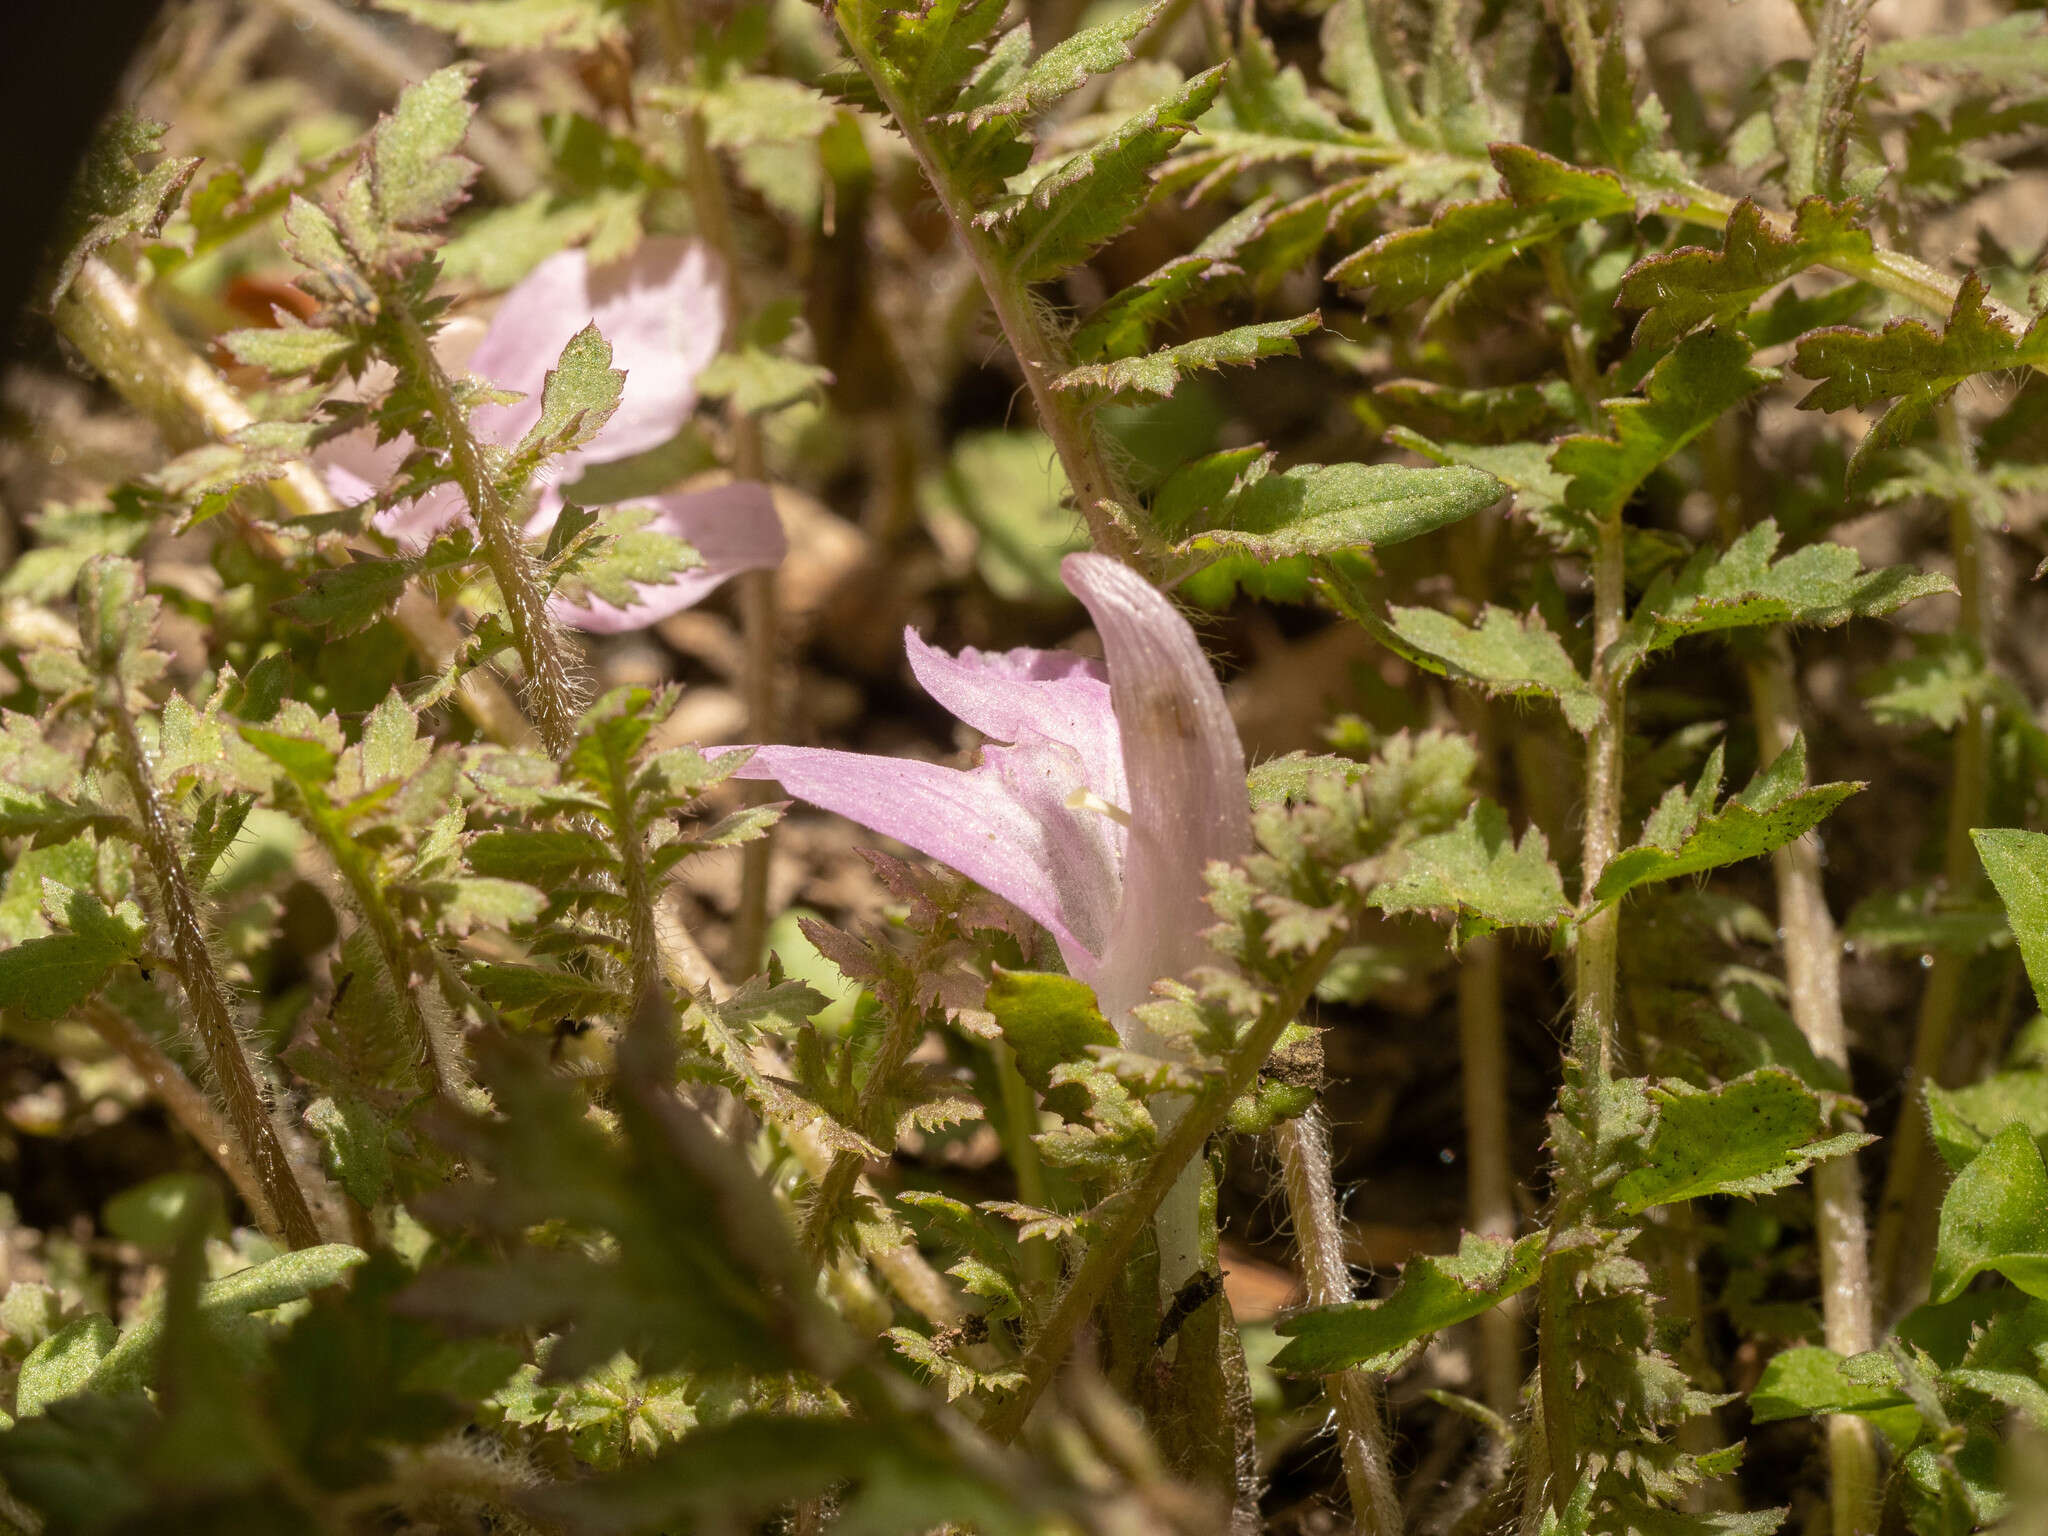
x,y
1822,585
288,351
1683,837
355,1147
2013,50
1319,509
1694,286
1962,1121
1508,655
1477,874
1912,365
417,177
1065,67
1812,1380
113,197
61,1365
1047,1019
1706,375
1545,198
577,398
347,599
1749,1136
1995,1217
2017,863
1092,196
575,26
1156,373
1434,1294
1934,688
46,978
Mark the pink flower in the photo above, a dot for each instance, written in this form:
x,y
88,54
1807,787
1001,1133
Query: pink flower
x,y
663,313
1102,795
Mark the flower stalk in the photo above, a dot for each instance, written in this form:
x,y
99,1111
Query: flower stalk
x,y
1355,1398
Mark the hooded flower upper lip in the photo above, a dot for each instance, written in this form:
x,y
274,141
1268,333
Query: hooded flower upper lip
x,y
1101,796
663,313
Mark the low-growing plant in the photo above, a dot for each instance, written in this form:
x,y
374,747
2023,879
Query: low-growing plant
x,y
482,546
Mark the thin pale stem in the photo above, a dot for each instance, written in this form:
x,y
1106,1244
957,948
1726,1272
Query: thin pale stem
x,y
1813,980
121,334
1098,491
1813,976
185,1103
211,1012
1901,1254
760,625
1135,1206
1355,1398
543,650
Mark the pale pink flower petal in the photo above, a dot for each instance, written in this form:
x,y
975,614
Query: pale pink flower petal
x,y
1185,767
987,822
1007,695
661,309
732,527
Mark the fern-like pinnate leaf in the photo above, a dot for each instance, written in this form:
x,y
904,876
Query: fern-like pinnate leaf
x,y
1157,373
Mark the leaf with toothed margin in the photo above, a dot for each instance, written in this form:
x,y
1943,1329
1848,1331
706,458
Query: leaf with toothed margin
x,y
1748,1136
1685,836
1823,585
1508,655
1912,365
1692,286
1091,196
1319,509
1435,1293
1067,66
1546,198
1158,373
1706,375
1476,873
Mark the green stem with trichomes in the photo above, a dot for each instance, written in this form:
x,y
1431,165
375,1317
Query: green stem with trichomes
x,y
1098,491
209,1007
1135,1206
543,649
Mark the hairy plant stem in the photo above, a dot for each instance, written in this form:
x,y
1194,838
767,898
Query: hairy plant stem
x,y
1133,1207
184,1102
1595,998
1355,1398
543,651
1098,491
211,1012
121,334
1900,1255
